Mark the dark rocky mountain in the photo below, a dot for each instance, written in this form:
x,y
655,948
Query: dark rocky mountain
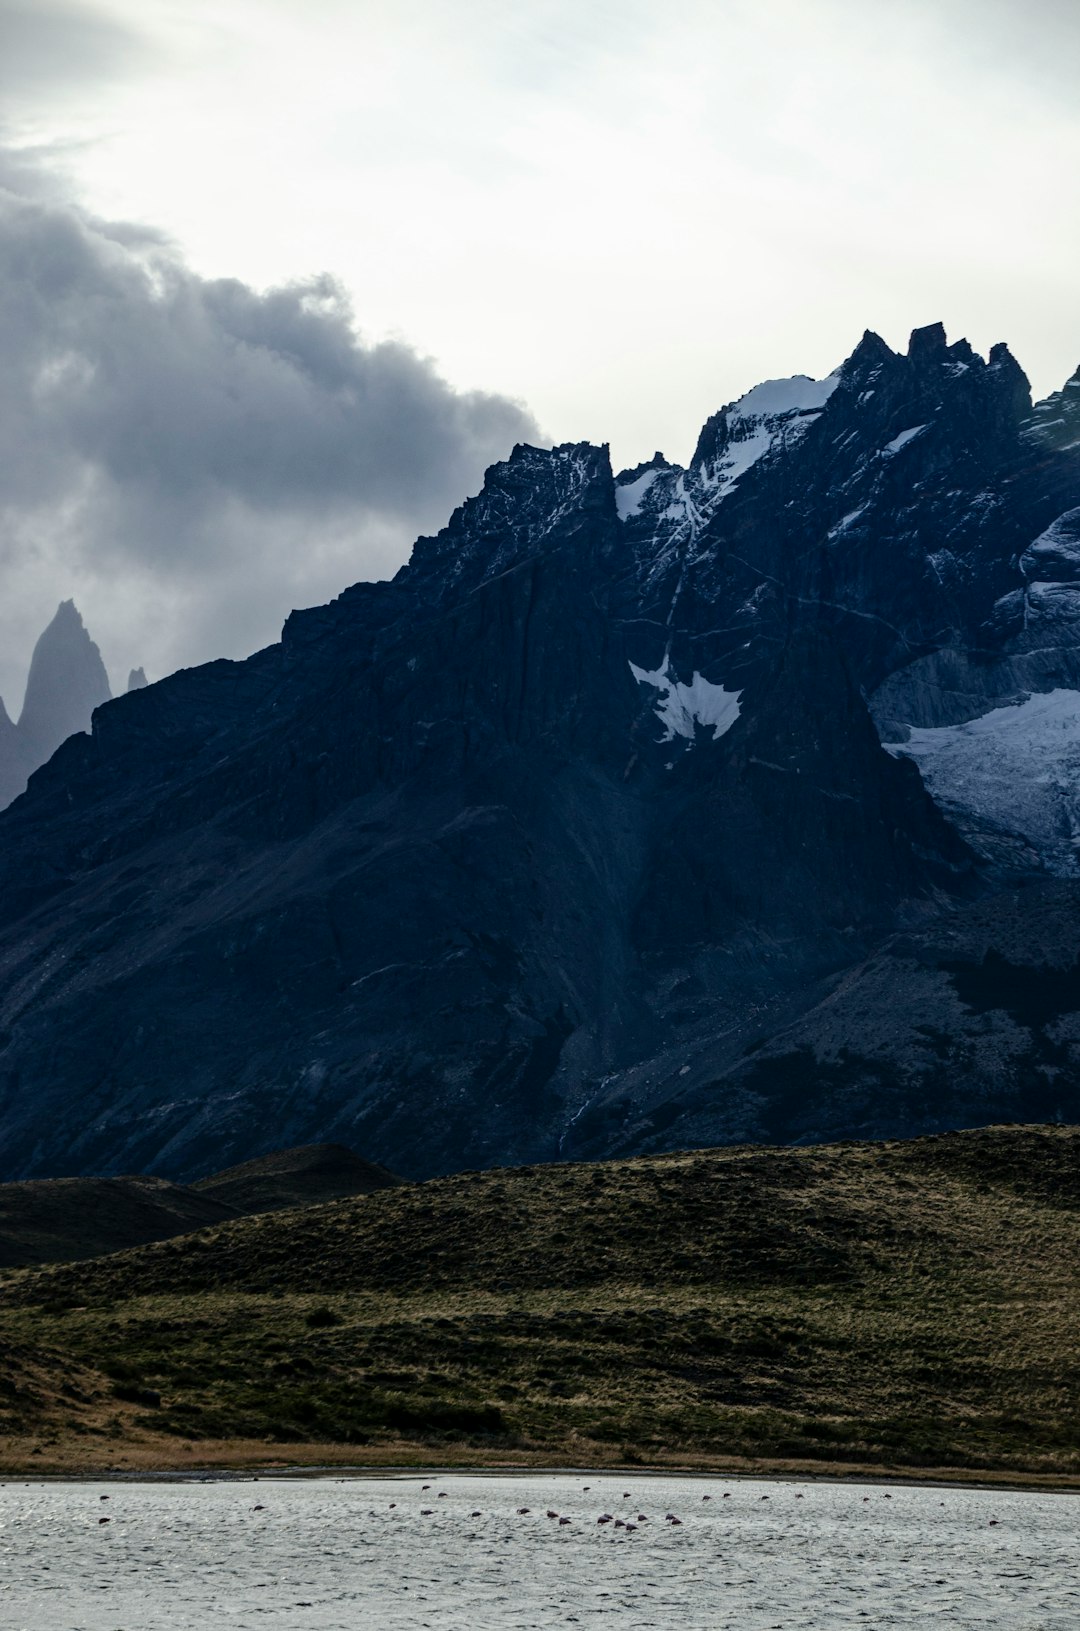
x,y
721,803
67,681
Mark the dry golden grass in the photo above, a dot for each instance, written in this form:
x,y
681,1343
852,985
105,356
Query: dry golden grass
x,y
889,1306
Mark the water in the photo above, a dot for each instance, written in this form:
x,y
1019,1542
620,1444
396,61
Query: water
x,y
333,1553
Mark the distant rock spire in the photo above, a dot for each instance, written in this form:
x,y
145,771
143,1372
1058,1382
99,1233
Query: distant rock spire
x,y
136,680
67,682
14,766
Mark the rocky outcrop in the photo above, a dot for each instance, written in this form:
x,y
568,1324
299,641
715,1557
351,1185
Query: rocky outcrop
x,y
549,844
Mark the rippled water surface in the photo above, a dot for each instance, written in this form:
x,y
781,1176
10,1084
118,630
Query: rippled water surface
x,y
460,1555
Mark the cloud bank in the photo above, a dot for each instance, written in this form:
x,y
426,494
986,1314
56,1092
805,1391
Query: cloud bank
x,y
190,457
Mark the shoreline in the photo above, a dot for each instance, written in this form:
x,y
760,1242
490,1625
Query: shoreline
x,y
240,1463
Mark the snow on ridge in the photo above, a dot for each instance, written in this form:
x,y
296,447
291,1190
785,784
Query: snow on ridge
x,y
902,440
799,394
777,410
681,708
1016,768
629,496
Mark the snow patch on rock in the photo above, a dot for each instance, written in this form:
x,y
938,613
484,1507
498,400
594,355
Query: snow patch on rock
x,y
902,440
681,708
629,496
799,394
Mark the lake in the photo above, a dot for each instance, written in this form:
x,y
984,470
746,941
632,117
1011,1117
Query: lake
x,y
390,1554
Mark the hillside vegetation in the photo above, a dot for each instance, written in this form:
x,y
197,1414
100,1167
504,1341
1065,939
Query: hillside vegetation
x,y
58,1220
299,1177
55,1220
909,1305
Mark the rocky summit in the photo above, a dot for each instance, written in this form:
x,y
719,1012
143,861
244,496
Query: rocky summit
x,y
731,803
67,681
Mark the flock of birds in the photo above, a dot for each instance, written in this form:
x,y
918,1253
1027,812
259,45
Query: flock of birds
x,y
628,1525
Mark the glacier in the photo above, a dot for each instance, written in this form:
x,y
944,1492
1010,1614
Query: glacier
x,y
1015,770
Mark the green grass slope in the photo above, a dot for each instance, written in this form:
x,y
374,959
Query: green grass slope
x,y
910,1305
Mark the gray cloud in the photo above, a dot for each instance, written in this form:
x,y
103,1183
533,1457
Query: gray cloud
x,y
1016,42
48,44
191,457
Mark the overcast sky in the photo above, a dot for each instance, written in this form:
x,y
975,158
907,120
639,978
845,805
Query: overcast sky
x,y
367,244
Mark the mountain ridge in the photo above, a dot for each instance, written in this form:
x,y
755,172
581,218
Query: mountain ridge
x,y
481,863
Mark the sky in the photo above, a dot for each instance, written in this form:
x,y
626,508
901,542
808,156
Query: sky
x,y
279,278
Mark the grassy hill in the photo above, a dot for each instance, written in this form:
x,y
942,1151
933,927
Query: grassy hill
x,y
305,1176
55,1220
58,1220
909,1305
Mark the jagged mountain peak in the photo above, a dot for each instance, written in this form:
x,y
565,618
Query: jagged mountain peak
x,y
137,679
935,378
928,344
538,497
961,351
633,472
67,681
872,352
1014,387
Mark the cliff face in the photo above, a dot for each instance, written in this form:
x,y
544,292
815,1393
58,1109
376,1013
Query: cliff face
x,y
580,835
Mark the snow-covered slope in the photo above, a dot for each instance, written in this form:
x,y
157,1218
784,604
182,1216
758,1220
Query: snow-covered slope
x,y
1011,779
773,416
